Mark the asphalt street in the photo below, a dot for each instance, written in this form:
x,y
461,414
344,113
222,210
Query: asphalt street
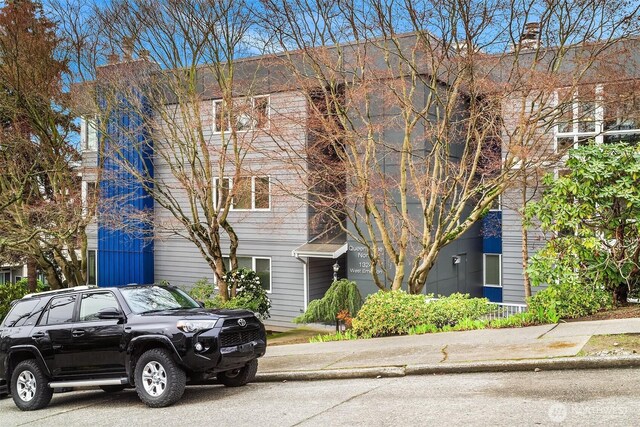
x,y
589,397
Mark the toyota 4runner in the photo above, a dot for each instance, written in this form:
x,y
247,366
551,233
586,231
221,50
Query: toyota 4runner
x,y
154,338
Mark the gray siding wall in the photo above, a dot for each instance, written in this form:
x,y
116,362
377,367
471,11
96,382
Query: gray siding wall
x,y
445,277
179,262
320,276
273,234
512,272
512,201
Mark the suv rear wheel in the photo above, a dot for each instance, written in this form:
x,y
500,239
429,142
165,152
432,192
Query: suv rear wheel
x,y
29,386
239,377
159,380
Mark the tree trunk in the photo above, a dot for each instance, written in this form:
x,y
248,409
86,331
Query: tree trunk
x,y
620,294
32,279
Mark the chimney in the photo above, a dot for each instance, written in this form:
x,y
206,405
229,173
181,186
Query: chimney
x,y
127,47
530,38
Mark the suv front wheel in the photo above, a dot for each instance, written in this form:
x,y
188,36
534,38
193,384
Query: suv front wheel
x,y
159,380
29,386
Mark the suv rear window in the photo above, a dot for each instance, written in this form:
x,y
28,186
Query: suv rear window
x,y
60,311
20,312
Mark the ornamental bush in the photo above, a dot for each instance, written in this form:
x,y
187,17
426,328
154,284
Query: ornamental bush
x,y
342,297
399,313
449,311
250,295
249,292
390,313
568,300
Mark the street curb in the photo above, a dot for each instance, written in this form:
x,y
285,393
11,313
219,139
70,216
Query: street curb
x,y
554,364
333,374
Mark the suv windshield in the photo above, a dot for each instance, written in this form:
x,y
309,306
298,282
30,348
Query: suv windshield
x,y
155,298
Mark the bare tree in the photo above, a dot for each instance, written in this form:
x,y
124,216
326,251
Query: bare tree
x,y
196,97
431,109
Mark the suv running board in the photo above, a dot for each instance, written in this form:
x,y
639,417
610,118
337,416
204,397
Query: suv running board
x,y
89,383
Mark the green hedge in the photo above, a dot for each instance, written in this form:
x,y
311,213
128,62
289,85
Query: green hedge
x,y
567,301
399,313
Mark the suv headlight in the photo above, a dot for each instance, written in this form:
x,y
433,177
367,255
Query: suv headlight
x,y
195,325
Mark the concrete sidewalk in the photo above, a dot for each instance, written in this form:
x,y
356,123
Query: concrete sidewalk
x,y
544,347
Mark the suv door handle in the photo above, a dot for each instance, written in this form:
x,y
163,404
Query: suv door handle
x,y
39,334
77,332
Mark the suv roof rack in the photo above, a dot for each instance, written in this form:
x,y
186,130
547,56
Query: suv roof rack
x,y
61,291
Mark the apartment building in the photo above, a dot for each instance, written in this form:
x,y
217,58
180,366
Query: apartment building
x,y
276,229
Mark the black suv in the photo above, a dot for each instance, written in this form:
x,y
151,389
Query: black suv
x,y
154,338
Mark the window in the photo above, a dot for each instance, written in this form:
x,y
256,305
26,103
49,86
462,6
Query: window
x,y
221,117
89,134
60,311
579,118
249,193
242,198
492,270
250,113
262,198
156,298
262,267
92,303
20,312
92,268
607,114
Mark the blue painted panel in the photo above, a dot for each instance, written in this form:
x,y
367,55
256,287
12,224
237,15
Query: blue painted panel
x,y
492,233
493,294
125,248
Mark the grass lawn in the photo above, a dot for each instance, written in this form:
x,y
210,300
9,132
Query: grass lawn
x,y
620,344
294,336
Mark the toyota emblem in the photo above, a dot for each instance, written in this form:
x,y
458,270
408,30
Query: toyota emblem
x,y
242,322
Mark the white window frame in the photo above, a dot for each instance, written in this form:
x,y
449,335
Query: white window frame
x,y
253,194
95,251
484,271
85,126
575,133
599,132
253,267
84,189
253,127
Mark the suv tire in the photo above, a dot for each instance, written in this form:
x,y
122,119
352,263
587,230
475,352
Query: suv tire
x,y
30,386
239,377
159,380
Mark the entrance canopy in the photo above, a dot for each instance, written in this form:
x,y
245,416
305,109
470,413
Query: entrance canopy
x,y
320,250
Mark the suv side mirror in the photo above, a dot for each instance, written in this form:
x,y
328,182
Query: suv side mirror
x,y
110,313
